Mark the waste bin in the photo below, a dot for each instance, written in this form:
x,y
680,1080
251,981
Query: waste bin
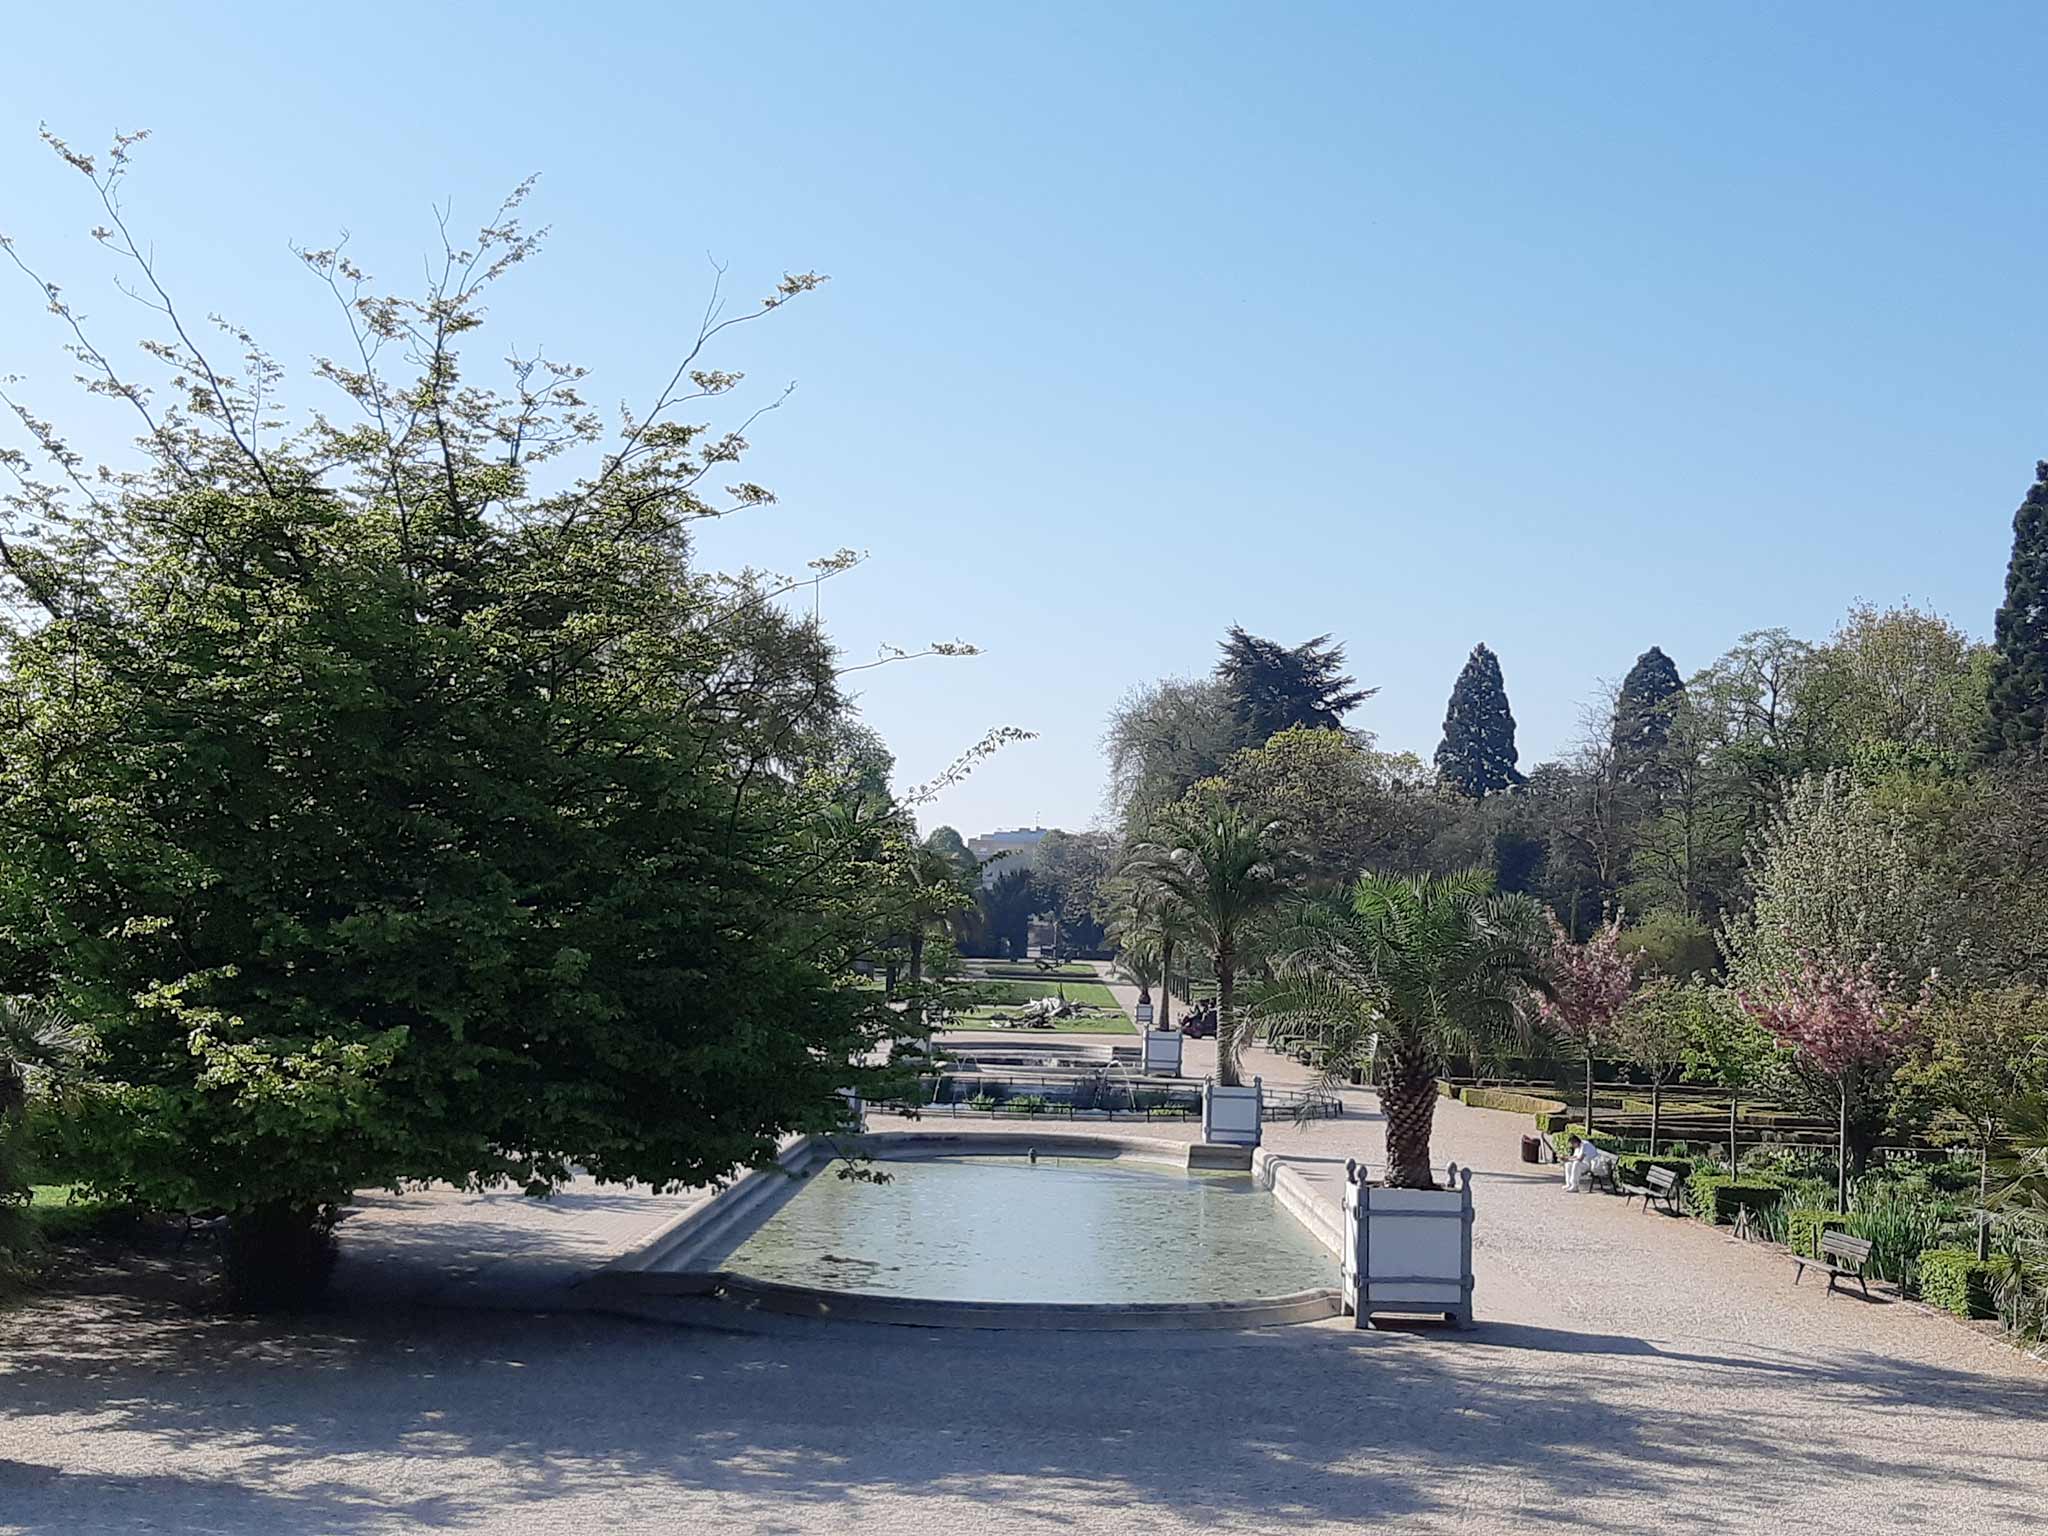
x,y
1531,1149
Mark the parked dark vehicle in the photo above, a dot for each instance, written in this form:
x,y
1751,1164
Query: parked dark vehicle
x,y
1199,1022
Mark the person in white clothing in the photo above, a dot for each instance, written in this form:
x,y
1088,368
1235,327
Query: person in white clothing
x,y
1582,1161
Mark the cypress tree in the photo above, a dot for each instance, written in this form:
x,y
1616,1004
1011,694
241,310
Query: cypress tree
x,y
1477,757
2019,669
1642,716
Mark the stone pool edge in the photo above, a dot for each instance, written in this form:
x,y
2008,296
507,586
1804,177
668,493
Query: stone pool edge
x,y
661,1269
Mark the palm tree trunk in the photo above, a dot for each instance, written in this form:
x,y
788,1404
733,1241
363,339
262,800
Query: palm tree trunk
x,y
917,978
1226,1014
1408,1100
1166,983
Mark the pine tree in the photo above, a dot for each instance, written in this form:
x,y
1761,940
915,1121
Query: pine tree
x,y
1270,688
2019,672
1477,757
1642,717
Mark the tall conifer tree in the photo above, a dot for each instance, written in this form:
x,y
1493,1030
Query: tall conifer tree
x,y
2019,672
1269,687
1642,716
1477,757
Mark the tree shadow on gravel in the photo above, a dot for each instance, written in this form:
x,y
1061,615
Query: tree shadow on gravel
x,y
500,1417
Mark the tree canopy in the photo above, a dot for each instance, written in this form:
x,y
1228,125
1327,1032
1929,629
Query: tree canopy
x,y
392,796
1268,687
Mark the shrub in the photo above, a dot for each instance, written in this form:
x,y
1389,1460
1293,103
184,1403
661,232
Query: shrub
x,y
1448,1090
1715,1197
1956,1280
1804,1226
1900,1224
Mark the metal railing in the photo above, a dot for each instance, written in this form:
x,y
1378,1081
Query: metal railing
x,y
1094,1095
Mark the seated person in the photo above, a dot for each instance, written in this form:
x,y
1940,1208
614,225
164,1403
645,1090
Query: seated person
x,y
1583,1162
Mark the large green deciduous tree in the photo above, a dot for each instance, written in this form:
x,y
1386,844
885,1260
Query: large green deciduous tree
x,y
1901,682
1412,975
392,798
1477,755
2019,670
1354,807
1838,881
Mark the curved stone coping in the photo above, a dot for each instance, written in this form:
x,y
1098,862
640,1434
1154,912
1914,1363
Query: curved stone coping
x,y
921,1312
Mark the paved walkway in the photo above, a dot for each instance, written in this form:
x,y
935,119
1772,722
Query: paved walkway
x,y
1631,1373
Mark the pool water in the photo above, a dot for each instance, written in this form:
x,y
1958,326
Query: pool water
x,y
1058,1230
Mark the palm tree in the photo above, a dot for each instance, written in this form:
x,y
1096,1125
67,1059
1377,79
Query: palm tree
x,y
1224,867
2020,1273
1148,925
1407,974
39,1046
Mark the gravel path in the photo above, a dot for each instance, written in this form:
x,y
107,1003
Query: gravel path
x,y
1631,1373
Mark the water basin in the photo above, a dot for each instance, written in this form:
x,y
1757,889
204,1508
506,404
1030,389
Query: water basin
x,y
1061,1230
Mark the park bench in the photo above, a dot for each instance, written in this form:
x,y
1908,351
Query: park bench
x,y
1658,1184
1840,1255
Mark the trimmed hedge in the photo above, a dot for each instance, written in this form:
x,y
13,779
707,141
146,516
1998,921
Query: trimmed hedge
x,y
1448,1090
1508,1098
1673,1108
1549,1113
1957,1280
1804,1226
1716,1197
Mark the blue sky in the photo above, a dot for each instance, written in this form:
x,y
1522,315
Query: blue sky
x,y
1573,329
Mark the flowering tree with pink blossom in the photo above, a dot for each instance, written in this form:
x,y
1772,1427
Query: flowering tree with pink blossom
x,y
1590,984
1845,1031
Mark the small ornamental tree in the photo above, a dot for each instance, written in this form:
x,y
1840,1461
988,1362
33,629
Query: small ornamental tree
x,y
1981,1054
1590,983
1729,1047
1846,1034
1477,756
1652,1030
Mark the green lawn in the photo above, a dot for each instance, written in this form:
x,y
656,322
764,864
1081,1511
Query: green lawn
x,y
62,1213
990,998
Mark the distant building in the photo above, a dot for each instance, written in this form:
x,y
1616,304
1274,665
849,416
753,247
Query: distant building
x,y
1018,847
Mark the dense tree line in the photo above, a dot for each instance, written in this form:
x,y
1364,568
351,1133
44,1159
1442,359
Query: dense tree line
x,y
1812,869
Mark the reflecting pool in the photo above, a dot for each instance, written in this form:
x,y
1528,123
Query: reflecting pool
x,y
1058,1230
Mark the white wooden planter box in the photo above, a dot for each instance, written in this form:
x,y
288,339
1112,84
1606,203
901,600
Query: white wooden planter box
x,y
1231,1116
1407,1250
1162,1052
